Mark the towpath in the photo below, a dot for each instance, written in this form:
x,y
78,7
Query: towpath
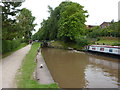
x,y
9,67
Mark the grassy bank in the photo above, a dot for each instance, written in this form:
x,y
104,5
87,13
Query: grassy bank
x,y
25,75
109,41
19,47
63,45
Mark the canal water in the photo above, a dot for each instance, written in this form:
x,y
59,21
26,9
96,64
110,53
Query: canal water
x,y
73,69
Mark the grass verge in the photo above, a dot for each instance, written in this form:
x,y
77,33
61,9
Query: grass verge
x,y
25,75
109,41
19,47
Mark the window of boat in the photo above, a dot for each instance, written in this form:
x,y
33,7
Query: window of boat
x,y
110,50
101,49
93,48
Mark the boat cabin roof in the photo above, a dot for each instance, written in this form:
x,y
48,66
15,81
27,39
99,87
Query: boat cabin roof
x,y
106,46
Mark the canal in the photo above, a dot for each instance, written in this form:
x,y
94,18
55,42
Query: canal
x,y
73,69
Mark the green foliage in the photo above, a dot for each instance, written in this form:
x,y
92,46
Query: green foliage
x,y
0,46
93,32
67,45
38,35
66,22
9,9
82,41
72,19
25,23
15,49
17,23
8,45
109,31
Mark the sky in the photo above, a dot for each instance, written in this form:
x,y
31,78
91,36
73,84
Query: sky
x,y
99,10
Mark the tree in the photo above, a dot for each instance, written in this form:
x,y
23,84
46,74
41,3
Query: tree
x,y
9,11
49,27
53,22
66,22
25,23
72,19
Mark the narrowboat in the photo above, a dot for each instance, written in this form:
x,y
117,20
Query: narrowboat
x,y
104,49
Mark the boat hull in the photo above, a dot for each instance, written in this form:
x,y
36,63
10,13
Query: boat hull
x,y
104,49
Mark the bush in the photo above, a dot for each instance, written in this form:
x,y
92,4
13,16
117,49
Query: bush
x,y
82,41
25,40
8,45
0,46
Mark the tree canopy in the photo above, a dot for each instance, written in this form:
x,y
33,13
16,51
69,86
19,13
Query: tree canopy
x,y
66,22
16,23
25,23
72,21
9,11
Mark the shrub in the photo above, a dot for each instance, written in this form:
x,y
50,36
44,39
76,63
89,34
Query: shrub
x,y
0,46
9,45
82,41
25,40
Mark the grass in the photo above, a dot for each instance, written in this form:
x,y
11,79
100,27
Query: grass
x,y
108,40
25,75
19,47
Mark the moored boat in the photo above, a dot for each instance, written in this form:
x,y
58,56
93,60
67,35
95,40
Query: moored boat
x,y
104,49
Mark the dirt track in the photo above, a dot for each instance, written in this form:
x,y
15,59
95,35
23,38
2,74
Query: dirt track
x,y
10,65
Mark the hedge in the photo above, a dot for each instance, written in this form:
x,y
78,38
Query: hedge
x,y
9,45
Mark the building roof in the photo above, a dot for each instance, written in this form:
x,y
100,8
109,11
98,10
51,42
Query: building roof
x,y
105,23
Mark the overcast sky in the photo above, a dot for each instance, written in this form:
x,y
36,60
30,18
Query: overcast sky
x,y
98,10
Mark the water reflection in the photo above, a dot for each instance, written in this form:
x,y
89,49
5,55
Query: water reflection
x,y
72,69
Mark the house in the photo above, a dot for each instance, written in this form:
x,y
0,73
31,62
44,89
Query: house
x,y
105,24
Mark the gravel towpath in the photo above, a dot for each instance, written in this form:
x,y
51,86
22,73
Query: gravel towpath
x,y
9,67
